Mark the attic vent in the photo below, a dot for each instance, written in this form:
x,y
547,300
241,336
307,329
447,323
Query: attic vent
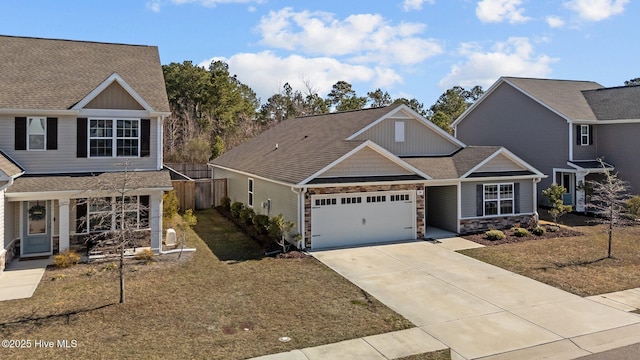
x,y
276,146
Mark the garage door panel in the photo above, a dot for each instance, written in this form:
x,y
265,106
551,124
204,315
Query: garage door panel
x,y
364,218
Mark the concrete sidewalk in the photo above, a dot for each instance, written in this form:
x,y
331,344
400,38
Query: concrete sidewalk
x,y
21,278
478,310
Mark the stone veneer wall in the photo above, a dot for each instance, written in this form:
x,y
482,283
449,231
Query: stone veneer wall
x,y
476,225
361,189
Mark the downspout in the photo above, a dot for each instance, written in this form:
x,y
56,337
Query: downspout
x,y
535,200
301,225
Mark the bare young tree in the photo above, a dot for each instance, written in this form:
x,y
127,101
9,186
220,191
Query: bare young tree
x,y
608,201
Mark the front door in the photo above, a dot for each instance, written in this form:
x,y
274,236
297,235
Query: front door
x,y
36,228
568,181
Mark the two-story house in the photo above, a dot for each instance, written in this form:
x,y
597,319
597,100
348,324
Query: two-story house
x,y
561,127
76,119
377,175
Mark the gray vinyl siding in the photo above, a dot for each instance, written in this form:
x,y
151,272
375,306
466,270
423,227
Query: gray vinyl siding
x,y
511,119
584,152
469,196
366,162
418,138
442,209
618,145
64,159
283,200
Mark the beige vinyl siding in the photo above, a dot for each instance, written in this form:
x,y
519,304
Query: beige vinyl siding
x,y
469,196
2,221
418,138
500,163
442,209
283,200
114,97
366,162
11,220
64,159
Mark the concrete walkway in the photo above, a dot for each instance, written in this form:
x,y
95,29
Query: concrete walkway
x,y
478,310
21,278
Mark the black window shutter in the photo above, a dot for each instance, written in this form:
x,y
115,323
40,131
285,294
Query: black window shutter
x,y
590,134
145,137
81,216
578,135
479,200
52,133
21,133
516,198
81,138
144,211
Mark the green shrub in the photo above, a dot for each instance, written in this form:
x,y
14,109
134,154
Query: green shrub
x,y
261,223
145,255
520,232
225,202
494,235
633,206
66,259
246,215
538,231
235,209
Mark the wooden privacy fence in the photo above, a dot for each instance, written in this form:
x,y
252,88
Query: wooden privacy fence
x,y
186,192
194,171
197,193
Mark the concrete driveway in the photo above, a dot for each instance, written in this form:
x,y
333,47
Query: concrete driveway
x,y
479,310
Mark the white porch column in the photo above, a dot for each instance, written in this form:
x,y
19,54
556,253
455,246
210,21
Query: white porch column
x,y
580,195
63,224
155,221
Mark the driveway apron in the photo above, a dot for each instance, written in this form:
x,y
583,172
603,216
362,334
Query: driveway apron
x,y
479,310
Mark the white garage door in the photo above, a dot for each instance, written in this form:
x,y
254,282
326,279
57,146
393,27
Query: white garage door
x,y
362,218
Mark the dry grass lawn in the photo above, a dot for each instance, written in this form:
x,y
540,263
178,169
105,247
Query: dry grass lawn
x,y
226,301
575,264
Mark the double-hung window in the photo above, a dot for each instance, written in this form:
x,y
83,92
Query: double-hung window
x,y
106,213
250,193
585,135
114,137
36,129
498,199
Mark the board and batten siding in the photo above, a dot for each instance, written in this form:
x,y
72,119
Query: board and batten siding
x,y
469,198
283,200
419,139
64,159
366,162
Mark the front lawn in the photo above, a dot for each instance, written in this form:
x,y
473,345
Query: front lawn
x,y
576,264
226,301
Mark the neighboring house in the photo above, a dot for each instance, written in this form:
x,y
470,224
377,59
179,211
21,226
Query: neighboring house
x,y
560,127
71,114
376,175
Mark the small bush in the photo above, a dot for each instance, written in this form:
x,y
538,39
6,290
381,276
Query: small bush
x,y
633,206
553,228
494,235
225,202
90,272
170,204
146,255
520,232
246,215
66,259
110,266
538,231
235,209
261,223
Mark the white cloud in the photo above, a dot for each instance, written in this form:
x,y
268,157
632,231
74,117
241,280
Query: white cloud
x,y
156,5
514,57
501,10
365,38
596,10
554,21
266,73
410,5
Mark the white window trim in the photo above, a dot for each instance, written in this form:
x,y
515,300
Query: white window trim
x,y
499,199
114,137
399,131
251,192
585,136
44,135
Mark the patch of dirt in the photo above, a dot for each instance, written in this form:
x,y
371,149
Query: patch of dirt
x,y
292,255
559,233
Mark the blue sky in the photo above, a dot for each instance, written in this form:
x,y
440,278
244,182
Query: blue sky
x,y
410,48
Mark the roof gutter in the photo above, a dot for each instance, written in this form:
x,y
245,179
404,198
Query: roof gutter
x,y
38,112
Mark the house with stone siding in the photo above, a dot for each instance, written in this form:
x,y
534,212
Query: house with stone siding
x,y
74,117
377,175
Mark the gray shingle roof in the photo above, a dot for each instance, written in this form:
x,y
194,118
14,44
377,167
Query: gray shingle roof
x,y
9,167
305,145
453,167
615,103
564,96
56,74
87,182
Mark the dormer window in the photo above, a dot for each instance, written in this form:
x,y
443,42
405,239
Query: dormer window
x,y
36,129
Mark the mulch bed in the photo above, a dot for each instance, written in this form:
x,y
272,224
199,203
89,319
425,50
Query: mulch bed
x,y
269,246
559,233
